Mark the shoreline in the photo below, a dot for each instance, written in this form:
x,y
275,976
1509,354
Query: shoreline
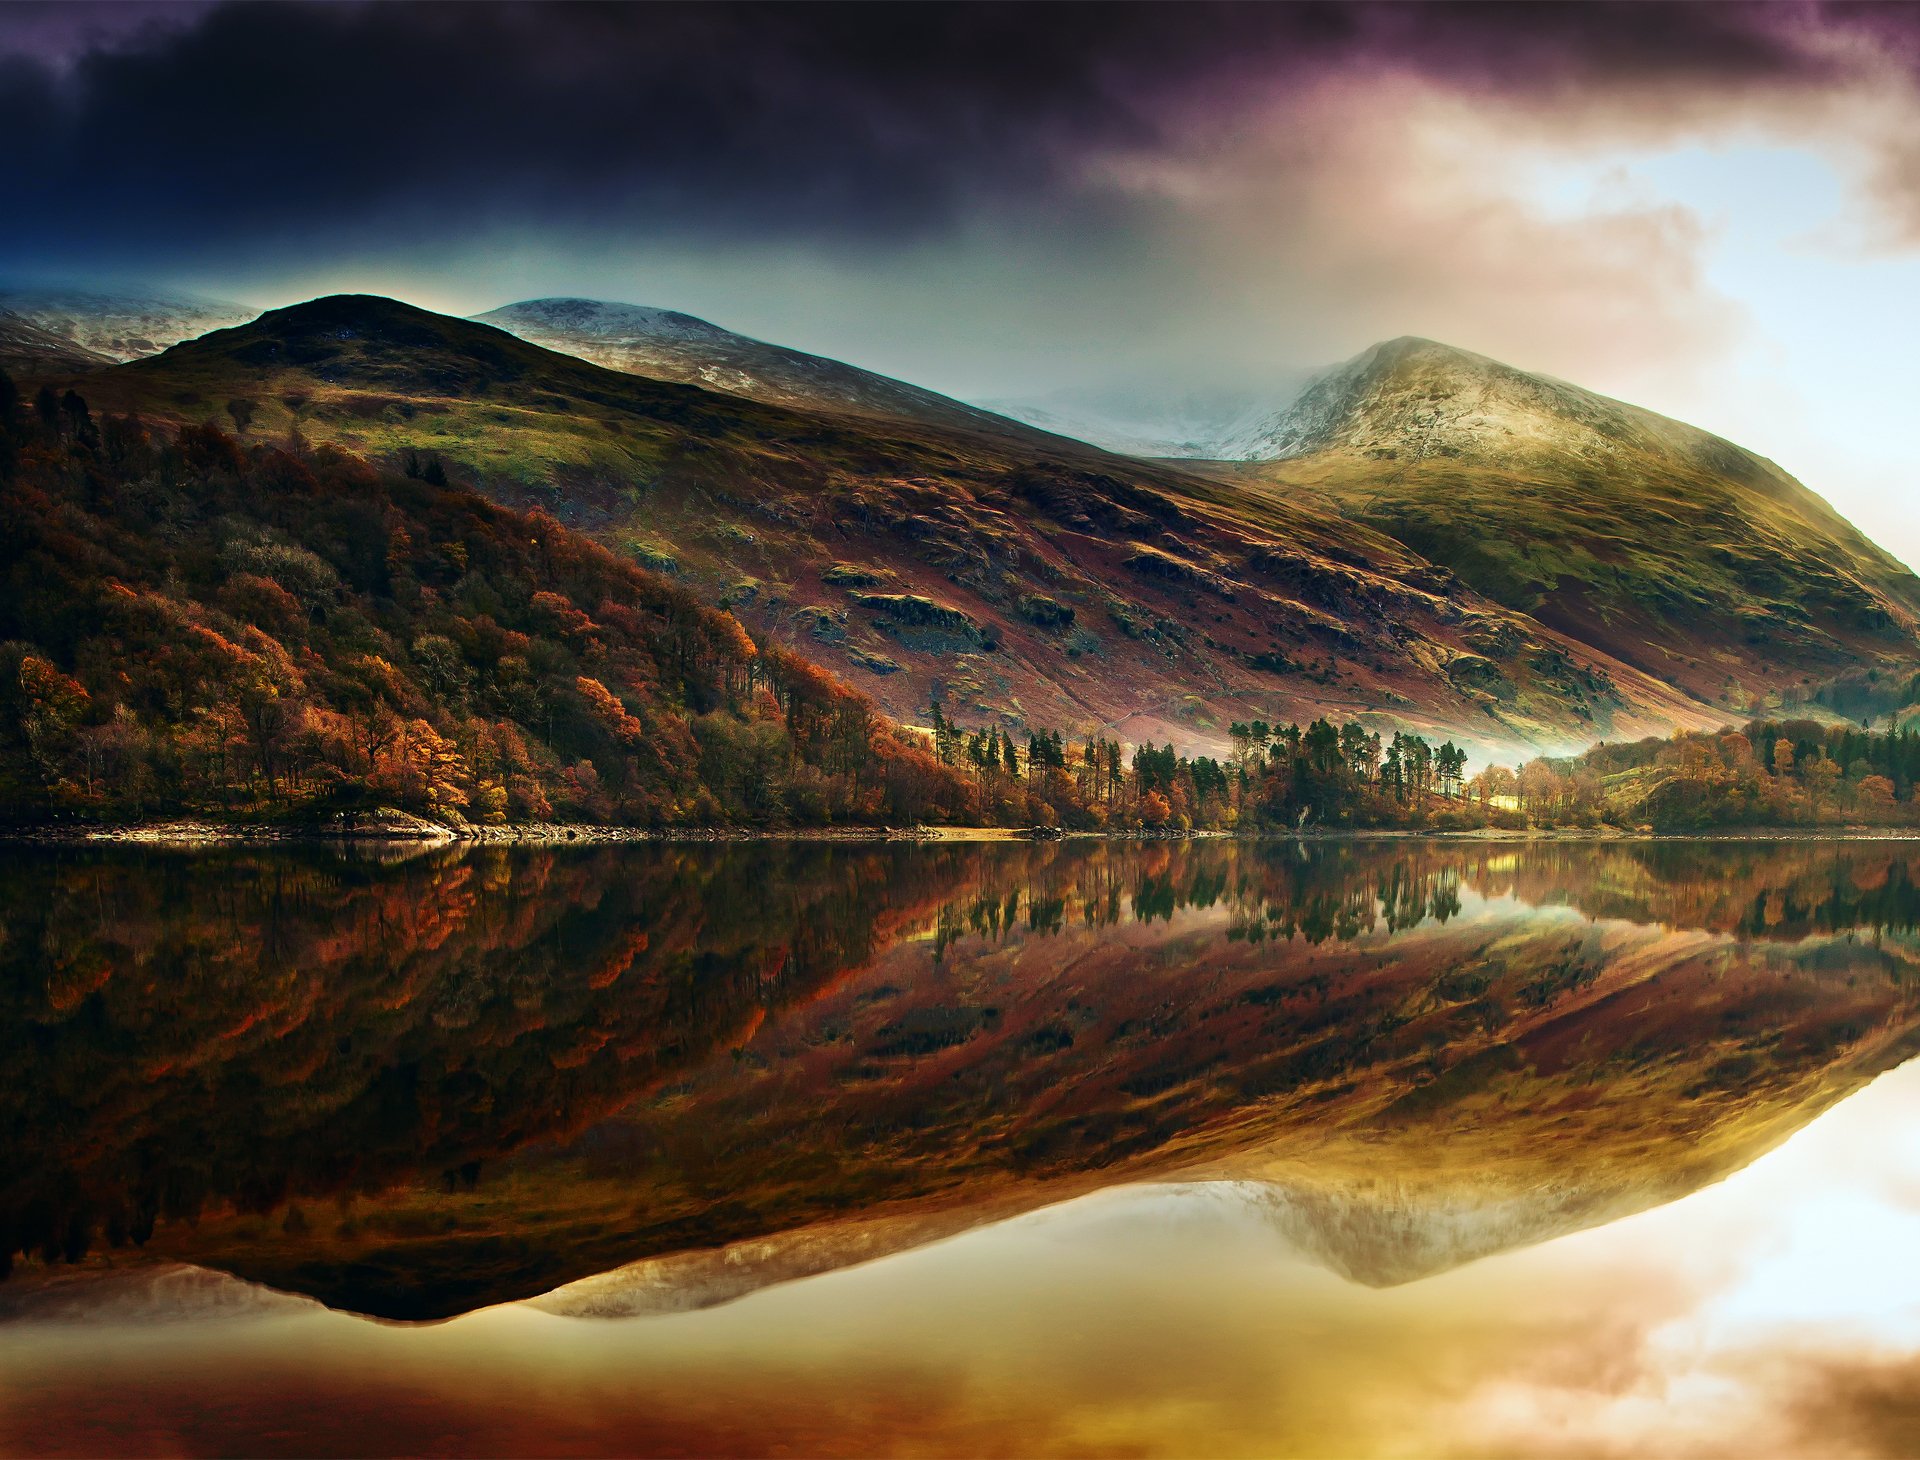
x,y
397,830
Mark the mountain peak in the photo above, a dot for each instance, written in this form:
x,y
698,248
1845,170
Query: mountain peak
x,y
364,341
1410,398
1412,350
346,311
604,320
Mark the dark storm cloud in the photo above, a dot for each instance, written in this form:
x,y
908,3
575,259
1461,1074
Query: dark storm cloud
x,y
292,126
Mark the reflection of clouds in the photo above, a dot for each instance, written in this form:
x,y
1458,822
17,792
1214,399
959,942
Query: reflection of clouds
x,y
1804,1336
1773,1313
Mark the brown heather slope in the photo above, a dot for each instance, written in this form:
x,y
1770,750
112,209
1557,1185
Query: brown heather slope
x,y
1686,556
1036,582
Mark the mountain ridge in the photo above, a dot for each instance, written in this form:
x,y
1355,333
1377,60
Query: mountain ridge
x,y
1024,579
665,344
120,325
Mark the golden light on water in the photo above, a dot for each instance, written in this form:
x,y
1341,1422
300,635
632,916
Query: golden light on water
x,y
1750,1317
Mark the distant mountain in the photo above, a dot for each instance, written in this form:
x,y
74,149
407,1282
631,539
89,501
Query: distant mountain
x,y
1667,547
107,327
1025,579
1142,420
27,349
666,345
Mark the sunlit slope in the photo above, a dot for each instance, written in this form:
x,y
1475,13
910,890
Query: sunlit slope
x,y
1653,541
1035,581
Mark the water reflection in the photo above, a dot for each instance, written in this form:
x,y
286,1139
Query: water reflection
x,y
417,1088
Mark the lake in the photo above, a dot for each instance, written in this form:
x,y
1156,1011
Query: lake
x,y
1078,1148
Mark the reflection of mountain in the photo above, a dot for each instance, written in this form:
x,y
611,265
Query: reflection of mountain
x,y
470,1078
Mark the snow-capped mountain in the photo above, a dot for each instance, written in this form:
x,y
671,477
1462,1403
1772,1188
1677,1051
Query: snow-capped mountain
x,y
1417,398
667,345
1410,396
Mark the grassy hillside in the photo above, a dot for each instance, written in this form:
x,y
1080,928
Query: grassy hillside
x,y
1666,547
1029,583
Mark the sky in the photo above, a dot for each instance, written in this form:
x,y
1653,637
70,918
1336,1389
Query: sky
x,y
1709,209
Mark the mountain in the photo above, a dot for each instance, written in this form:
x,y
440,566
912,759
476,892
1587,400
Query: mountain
x,y
27,349
123,325
1749,592
1657,543
1025,579
665,345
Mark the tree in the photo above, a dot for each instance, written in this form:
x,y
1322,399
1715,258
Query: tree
x,y
78,420
242,411
1820,775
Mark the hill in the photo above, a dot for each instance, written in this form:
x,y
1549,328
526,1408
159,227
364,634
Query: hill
x,y
1027,582
665,345
1655,542
191,627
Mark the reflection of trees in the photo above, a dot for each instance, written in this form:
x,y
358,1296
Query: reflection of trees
x,y
235,1028
1341,890
597,1054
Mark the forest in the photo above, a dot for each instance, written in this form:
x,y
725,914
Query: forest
x,y
277,632
1797,772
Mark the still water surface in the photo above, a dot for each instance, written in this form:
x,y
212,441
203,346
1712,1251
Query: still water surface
x,y
1083,1148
